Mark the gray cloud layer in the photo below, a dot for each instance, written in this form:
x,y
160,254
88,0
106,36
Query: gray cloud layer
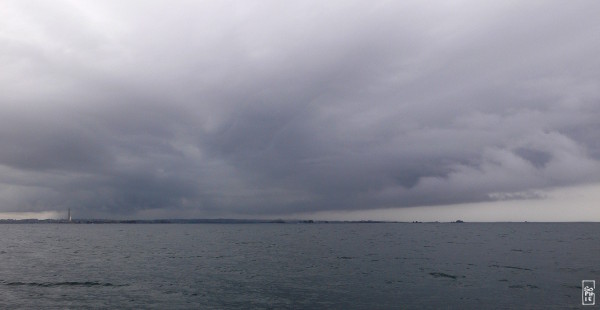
x,y
279,107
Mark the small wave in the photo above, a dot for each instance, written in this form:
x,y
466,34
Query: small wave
x,y
523,286
578,287
444,275
510,267
66,283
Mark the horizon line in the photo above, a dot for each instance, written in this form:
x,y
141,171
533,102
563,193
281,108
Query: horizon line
x,y
250,221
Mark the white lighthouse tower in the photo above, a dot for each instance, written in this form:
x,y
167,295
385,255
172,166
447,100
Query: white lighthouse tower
x,y
69,215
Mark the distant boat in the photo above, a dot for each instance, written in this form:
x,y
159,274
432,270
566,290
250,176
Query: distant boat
x,y
458,221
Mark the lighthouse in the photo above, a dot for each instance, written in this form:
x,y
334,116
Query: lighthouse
x,y
69,215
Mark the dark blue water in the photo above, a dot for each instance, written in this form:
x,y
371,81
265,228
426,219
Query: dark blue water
x,y
297,266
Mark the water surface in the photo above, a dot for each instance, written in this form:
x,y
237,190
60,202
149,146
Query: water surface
x,y
299,266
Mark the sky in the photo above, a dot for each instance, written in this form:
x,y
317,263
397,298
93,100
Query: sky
x,y
398,110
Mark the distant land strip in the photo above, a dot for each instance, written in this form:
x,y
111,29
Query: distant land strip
x,y
177,221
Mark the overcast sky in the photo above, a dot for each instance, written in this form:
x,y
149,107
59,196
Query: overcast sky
x,y
136,109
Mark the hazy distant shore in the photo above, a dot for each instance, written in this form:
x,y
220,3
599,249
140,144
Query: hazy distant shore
x,y
176,221
228,221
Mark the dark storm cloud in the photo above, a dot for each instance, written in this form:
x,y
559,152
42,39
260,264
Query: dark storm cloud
x,y
275,108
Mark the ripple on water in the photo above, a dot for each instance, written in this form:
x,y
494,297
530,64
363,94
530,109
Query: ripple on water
x,y
444,275
531,286
65,283
510,267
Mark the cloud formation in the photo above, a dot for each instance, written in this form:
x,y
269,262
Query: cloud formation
x,y
265,107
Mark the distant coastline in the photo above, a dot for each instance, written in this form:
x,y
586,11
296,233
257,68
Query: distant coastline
x,y
177,221
239,221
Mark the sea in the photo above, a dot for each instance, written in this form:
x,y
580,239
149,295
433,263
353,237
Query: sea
x,y
298,266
